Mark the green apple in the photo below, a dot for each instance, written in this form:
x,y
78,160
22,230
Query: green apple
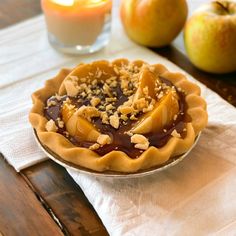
x,y
153,22
210,37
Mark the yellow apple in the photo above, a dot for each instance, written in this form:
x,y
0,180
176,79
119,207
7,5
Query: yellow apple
x,y
153,23
210,37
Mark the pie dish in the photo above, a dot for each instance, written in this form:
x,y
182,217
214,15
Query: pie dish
x,y
121,116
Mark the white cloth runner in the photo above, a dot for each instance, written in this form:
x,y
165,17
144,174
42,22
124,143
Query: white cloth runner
x,y
196,197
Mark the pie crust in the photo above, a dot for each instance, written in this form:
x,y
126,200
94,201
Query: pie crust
x,y
115,160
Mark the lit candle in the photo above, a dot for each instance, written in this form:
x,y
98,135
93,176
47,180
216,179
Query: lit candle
x,y
78,25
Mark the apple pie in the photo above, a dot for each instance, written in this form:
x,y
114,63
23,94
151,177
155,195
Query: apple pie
x,y
122,116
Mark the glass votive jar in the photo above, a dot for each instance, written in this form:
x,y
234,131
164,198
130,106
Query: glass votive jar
x,y
78,26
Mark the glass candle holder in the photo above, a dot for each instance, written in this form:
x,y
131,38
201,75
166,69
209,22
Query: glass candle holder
x,y
78,26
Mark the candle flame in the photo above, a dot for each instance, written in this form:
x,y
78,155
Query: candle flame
x,y
69,3
96,1
64,2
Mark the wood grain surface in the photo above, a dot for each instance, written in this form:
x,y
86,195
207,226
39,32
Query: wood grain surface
x,y
14,11
21,213
44,200
65,199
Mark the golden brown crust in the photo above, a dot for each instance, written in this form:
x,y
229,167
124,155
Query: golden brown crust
x,y
117,160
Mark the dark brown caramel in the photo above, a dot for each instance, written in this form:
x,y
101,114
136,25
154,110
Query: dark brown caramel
x,y
121,141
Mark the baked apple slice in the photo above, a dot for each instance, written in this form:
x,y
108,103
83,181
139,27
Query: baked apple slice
x,y
163,114
78,126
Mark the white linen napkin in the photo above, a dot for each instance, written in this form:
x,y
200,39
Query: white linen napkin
x,y
196,197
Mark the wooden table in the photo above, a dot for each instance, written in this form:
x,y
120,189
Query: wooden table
x,y
44,199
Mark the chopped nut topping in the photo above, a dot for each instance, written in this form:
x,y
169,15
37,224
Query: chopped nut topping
x,y
141,103
124,74
83,86
153,102
51,103
149,108
140,141
116,70
71,89
125,109
106,90
88,112
109,107
111,79
138,138
69,106
143,146
157,89
94,146
94,82
175,134
114,121
105,118
111,99
66,134
97,91
124,84
101,107
133,117
103,139
51,126
129,133
113,84
60,123
124,117
160,95
95,101
67,100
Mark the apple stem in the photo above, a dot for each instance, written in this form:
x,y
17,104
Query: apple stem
x,y
222,6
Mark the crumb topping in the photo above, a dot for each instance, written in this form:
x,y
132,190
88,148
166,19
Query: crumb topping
x,y
95,101
60,123
94,146
175,134
114,121
140,141
103,139
51,126
88,112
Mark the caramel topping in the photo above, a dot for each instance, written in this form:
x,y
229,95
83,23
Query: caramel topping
x,y
130,110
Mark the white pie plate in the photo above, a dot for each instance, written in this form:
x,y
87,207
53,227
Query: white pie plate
x,y
113,174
